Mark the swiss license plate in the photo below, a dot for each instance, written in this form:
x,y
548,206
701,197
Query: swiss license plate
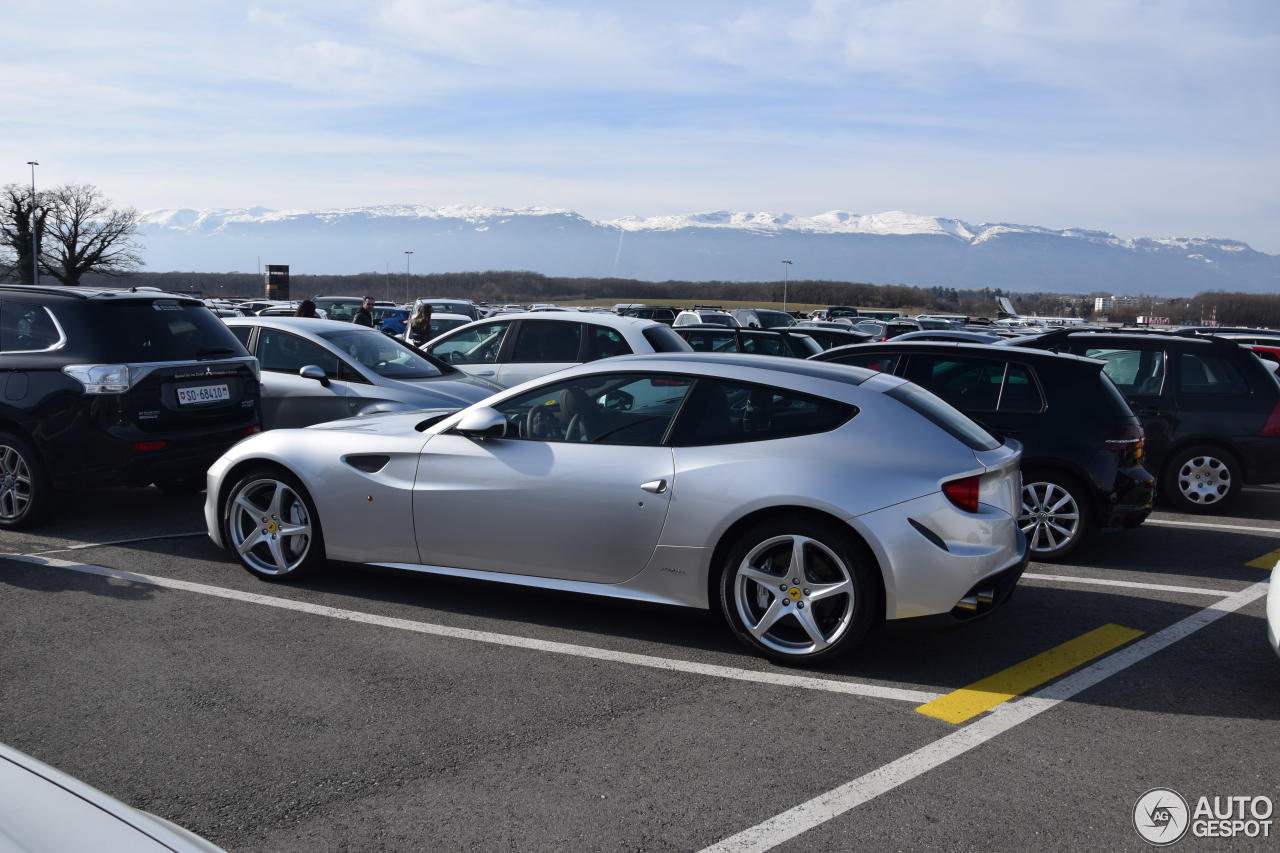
x,y
203,394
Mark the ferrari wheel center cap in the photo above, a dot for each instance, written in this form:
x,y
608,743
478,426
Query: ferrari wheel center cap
x,y
794,593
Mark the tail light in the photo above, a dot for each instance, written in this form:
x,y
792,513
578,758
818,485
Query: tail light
x,y
1272,426
1131,437
101,378
147,446
963,492
253,430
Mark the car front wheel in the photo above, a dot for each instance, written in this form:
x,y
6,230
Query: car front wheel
x,y
797,590
270,522
1201,479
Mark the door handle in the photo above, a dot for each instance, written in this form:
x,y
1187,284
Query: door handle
x,y
484,373
657,487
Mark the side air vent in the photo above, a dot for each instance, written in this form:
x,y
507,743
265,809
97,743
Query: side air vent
x,y
368,463
928,534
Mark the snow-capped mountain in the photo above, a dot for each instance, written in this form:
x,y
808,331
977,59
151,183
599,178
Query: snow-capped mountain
x,y
893,247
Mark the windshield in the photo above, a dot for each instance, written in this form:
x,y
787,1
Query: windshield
x,y
140,330
383,354
774,319
718,319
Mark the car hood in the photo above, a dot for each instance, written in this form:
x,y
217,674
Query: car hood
x,y
387,423
458,390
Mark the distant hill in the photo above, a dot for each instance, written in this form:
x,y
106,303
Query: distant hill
x,y
883,248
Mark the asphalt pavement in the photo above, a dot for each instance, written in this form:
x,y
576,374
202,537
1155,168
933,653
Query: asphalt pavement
x,y
369,709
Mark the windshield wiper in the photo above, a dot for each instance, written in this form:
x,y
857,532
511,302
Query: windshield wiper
x,y
212,351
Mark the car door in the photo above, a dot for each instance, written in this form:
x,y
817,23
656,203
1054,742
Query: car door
x,y
540,347
1140,371
291,400
577,490
473,349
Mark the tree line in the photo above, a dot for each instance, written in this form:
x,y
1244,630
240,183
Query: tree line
x,y
65,233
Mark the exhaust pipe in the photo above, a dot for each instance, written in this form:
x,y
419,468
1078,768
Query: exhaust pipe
x,y
977,602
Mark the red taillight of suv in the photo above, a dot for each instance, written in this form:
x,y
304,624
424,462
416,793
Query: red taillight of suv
x,y
1130,437
148,446
963,492
1272,426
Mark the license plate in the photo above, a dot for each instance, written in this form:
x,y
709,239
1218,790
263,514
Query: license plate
x,y
203,394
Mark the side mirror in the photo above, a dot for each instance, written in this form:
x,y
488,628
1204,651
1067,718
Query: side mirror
x,y
311,371
482,423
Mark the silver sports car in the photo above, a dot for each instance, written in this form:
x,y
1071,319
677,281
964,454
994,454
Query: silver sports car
x,y
808,501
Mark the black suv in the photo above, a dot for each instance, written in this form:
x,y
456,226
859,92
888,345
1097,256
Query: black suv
x,y
1211,409
1082,460
707,337
111,388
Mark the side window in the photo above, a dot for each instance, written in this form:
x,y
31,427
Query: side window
x,y
1136,372
1209,374
603,342
703,340
764,344
720,412
969,384
547,341
885,362
242,333
476,345
615,408
1021,392
285,353
25,327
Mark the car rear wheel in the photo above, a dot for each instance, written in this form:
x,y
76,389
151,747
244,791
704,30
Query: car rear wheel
x,y
797,590
1054,515
24,486
1201,479
270,522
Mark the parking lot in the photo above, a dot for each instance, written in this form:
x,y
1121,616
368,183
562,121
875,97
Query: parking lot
x,y
372,710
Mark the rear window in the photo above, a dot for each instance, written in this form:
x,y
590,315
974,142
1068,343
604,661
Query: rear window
x,y
663,339
136,330
944,415
718,319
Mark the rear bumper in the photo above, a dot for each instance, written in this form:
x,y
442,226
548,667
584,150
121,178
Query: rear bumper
x,y
115,462
1260,458
1128,503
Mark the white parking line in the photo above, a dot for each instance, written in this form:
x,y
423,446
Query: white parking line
x,y
852,688
1274,531
84,545
1155,587
834,803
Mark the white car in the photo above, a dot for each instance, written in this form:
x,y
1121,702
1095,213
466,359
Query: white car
x,y
1273,609
515,348
700,316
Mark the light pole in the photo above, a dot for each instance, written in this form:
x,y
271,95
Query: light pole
x,y
35,237
786,265
407,255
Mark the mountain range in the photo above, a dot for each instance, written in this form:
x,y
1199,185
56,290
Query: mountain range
x,y
882,248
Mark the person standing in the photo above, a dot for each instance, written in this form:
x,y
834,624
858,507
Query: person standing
x,y
364,317
306,308
420,325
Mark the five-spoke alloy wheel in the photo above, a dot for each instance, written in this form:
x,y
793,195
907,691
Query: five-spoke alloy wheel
x,y
271,525
1054,516
797,590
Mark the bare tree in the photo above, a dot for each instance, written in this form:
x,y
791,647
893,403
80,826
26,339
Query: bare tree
x,y
83,233
18,211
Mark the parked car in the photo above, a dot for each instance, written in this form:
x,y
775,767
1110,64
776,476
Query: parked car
x,y
342,308
515,348
391,321
762,318
710,338
1210,408
323,370
661,313
828,335
770,461
1273,610
883,330
465,307
1082,458
692,317
959,336
44,809
114,388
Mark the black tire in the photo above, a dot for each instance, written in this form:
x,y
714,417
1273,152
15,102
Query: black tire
x,y
179,486
25,493
1202,478
1056,514
832,556
294,555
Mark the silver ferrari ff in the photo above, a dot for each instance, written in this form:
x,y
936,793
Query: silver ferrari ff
x,y
808,501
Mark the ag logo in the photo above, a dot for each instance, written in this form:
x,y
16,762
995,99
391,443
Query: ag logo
x,y
1161,816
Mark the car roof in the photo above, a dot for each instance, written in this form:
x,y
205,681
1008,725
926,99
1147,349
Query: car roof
x,y
99,292
304,324
996,350
611,320
702,362
1112,337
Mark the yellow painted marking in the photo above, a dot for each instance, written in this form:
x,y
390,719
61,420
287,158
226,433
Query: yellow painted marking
x,y
960,705
1266,561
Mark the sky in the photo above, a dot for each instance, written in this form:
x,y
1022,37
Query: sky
x,y
1139,117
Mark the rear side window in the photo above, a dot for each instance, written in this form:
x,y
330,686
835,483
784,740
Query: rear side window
x,y
24,327
1020,393
720,412
1209,374
242,333
944,415
136,330
884,362
1136,372
764,344
603,342
703,340
544,341
663,339
282,352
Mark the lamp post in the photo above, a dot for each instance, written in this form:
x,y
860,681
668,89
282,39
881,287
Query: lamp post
x,y
407,255
35,237
786,265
